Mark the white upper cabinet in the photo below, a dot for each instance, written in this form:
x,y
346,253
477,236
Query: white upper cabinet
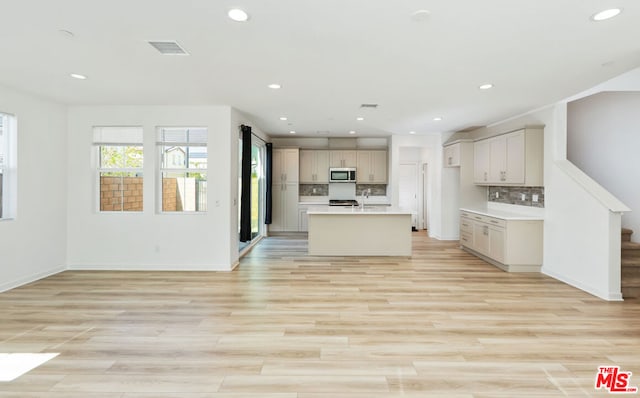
x,y
498,159
285,166
481,162
343,158
515,158
314,166
371,167
510,159
452,155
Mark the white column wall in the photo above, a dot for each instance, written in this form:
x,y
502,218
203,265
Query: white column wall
x,y
440,211
149,240
33,245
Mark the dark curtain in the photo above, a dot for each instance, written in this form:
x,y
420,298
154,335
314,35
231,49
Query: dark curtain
x,y
245,193
268,175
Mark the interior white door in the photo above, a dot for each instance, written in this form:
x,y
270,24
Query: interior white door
x,y
408,190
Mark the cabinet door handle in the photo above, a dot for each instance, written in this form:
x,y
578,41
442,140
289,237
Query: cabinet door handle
x,y
485,231
495,222
485,176
449,160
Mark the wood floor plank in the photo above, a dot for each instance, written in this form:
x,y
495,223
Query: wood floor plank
x,y
288,325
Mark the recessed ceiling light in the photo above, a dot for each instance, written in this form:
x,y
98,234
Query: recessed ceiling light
x,y
352,132
292,132
359,119
274,86
606,14
412,132
78,76
437,119
420,15
283,118
238,15
66,33
486,86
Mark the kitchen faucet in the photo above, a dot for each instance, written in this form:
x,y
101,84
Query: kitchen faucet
x,y
365,193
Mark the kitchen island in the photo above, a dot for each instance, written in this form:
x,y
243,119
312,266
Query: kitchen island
x,y
353,231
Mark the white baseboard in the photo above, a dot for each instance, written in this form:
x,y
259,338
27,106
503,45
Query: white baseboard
x,y
439,237
147,267
30,278
609,296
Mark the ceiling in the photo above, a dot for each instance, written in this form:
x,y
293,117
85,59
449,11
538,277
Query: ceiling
x,y
330,56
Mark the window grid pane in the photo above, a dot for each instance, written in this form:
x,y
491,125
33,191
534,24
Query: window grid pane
x,y
121,191
183,160
120,168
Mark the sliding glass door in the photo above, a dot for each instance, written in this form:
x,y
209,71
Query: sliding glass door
x,y
257,196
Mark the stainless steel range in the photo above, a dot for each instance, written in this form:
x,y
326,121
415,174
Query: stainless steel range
x,y
343,202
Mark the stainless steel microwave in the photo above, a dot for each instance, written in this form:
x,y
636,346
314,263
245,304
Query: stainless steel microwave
x,y
342,174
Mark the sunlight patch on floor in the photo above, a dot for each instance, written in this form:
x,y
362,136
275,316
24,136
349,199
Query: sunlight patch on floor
x,y
15,365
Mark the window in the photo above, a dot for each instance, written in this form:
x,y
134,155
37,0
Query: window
x,y
8,163
120,160
183,168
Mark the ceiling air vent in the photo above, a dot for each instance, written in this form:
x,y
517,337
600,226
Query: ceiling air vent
x,y
168,47
373,106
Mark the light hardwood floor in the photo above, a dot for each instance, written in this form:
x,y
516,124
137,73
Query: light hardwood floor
x,y
284,325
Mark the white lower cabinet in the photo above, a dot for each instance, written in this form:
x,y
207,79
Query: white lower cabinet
x,y
511,244
303,218
284,210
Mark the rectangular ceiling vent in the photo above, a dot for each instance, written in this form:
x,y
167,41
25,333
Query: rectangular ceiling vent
x,y
168,47
373,106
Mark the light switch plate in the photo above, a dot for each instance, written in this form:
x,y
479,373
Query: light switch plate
x,y
497,195
534,197
523,197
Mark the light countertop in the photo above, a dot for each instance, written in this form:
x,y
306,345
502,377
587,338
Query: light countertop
x,y
324,201
505,214
356,210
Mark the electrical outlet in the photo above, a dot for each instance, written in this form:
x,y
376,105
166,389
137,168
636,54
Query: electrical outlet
x,y
314,190
523,197
368,190
534,197
497,195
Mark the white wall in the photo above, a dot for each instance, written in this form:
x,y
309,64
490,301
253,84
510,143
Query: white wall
x,y
33,245
603,140
149,240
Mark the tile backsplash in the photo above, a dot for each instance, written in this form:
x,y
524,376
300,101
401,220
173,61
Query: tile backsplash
x,y
308,190
323,189
513,195
376,189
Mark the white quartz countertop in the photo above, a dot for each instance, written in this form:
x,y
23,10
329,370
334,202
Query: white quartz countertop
x,y
504,214
344,210
324,200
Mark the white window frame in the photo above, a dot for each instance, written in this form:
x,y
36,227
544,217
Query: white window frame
x,y
9,166
161,170
116,136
